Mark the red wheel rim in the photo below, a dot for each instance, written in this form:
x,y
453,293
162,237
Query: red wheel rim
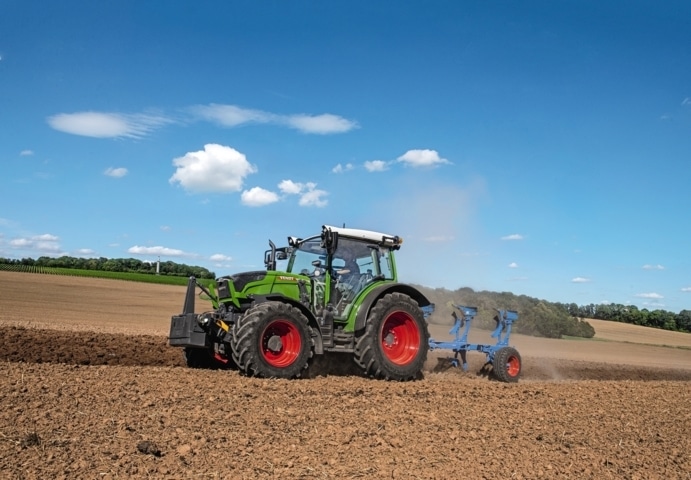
x,y
280,343
513,366
400,338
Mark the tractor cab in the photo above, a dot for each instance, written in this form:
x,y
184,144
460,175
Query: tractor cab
x,y
340,263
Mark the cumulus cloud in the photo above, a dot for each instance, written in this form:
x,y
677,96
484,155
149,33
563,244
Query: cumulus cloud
x,y
313,198
26,153
655,296
107,125
85,252
513,265
342,168
376,166
513,236
258,197
290,187
43,243
218,257
168,252
310,196
422,158
686,289
653,267
233,116
217,168
580,280
115,172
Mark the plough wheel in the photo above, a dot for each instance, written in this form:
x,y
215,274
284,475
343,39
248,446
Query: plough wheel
x,y
506,366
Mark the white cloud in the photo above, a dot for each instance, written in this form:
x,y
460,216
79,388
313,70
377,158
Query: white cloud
x,y
85,252
218,257
580,280
686,289
258,197
313,197
342,168
655,296
513,265
217,168
422,158
107,125
165,228
233,116
513,236
376,166
169,252
115,172
26,153
46,243
686,101
653,267
320,124
290,187
20,242
310,196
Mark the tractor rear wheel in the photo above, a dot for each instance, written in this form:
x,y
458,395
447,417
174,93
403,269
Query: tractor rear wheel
x,y
395,343
272,340
506,366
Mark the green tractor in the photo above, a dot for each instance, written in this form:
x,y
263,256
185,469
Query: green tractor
x,y
335,292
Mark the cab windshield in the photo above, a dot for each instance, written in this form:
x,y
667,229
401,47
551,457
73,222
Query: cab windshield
x,y
304,256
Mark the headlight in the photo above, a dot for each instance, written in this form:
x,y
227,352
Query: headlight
x,y
204,320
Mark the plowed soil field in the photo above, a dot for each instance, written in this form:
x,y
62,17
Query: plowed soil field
x,y
89,389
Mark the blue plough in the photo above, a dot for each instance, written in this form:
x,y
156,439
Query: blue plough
x,y
504,359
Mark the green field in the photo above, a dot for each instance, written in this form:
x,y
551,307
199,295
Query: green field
x,y
128,276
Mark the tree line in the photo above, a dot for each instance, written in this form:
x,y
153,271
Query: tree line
x,y
129,265
632,314
549,319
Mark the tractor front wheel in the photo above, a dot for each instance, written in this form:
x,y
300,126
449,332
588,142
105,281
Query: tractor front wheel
x,y
506,366
395,343
272,340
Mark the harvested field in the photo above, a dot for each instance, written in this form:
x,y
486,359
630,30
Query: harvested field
x,y
90,389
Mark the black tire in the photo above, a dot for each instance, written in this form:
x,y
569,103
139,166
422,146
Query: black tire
x,y
272,340
396,340
506,366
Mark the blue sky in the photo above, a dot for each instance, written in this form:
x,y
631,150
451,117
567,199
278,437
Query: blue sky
x,y
539,147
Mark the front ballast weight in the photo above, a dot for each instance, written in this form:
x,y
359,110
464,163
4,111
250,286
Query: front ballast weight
x,y
504,359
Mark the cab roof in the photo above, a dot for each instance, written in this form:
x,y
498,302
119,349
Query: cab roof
x,y
378,238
